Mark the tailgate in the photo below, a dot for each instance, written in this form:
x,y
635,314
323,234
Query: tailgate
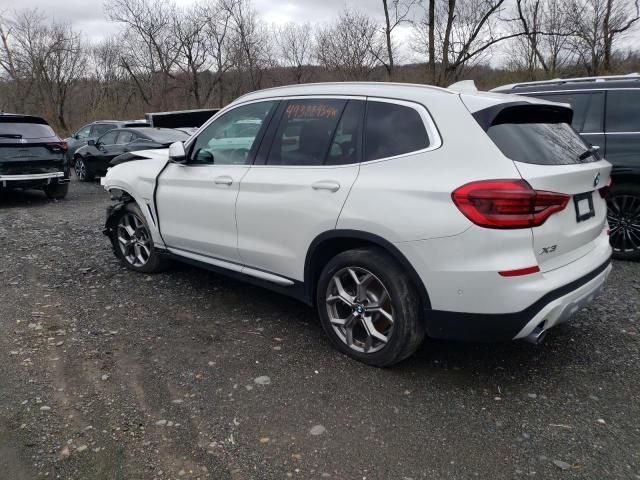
x,y
551,157
569,234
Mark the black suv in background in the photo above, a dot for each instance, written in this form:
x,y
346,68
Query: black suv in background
x,y
607,115
94,130
32,156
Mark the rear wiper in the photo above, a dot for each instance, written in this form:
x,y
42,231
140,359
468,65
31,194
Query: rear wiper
x,y
10,135
589,153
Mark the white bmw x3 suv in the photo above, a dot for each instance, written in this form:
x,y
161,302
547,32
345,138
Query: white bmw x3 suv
x,y
399,211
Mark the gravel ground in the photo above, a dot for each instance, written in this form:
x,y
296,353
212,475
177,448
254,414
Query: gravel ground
x,y
109,374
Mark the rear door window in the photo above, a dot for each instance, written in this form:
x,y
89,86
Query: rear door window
x,y
392,129
109,138
623,111
587,109
533,135
101,128
305,132
125,137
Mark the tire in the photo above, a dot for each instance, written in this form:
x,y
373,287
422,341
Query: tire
x,y
624,220
56,191
81,170
133,244
377,273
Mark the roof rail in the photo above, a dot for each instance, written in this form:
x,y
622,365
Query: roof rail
x,y
560,81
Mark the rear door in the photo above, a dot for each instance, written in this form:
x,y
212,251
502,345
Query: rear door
x,y
552,157
299,183
622,127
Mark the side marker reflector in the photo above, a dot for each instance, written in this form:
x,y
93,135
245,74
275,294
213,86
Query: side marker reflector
x,y
519,272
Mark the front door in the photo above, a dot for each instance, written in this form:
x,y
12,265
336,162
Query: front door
x,y
299,183
196,200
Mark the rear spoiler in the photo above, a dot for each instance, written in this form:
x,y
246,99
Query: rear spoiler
x,y
14,118
522,112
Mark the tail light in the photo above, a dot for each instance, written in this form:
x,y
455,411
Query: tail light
x,y
507,203
604,191
57,147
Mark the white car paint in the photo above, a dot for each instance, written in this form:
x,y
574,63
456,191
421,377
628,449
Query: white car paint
x,y
265,219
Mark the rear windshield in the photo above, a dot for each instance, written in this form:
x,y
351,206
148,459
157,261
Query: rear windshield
x,y
540,135
25,130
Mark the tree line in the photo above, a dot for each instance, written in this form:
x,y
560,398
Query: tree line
x,y
168,57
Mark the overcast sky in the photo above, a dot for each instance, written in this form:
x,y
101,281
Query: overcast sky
x,y
88,16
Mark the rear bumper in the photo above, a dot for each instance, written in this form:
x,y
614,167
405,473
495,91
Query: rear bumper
x,y
555,307
31,179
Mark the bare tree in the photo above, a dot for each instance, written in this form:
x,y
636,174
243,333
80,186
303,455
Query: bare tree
x,y
600,24
151,47
220,35
189,27
351,47
251,38
400,10
547,29
295,47
41,59
459,33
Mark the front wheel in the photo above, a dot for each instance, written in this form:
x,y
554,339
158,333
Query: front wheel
x,y
369,307
81,170
624,220
133,243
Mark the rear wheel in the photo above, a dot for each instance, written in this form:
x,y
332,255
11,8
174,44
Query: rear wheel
x,y
56,191
81,170
133,243
624,220
369,307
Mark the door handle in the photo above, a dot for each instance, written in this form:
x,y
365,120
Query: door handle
x,y
223,180
330,185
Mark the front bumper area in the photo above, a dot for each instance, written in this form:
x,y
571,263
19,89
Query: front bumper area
x,y
552,309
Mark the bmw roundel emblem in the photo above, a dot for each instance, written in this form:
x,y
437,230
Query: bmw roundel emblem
x,y
596,180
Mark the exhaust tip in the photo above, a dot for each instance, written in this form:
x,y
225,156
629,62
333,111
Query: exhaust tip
x,y
537,336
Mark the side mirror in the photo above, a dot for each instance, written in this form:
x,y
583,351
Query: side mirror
x,y
91,143
177,153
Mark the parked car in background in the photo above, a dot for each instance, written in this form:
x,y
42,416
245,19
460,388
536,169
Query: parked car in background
x,y
32,156
399,211
607,115
94,159
94,130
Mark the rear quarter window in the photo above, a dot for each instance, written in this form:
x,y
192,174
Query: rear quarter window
x,y
392,129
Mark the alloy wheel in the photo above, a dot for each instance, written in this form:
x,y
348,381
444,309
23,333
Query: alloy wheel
x,y
134,240
359,309
80,169
624,220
